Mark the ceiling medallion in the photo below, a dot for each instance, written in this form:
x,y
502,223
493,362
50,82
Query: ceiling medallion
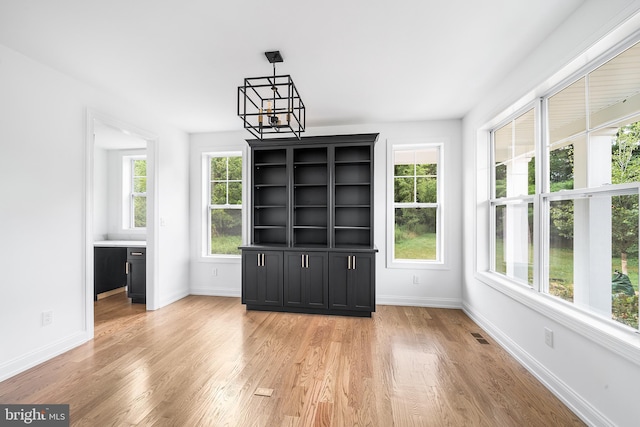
x,y
271,104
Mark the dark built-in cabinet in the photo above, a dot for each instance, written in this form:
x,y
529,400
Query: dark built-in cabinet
x,y
311,245
137,275
108,270
116,267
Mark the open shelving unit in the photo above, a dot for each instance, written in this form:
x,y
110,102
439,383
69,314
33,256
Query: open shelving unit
x,y
311,247
270,184
310,197
353,196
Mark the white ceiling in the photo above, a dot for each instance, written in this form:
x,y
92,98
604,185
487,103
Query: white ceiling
x,y
353,61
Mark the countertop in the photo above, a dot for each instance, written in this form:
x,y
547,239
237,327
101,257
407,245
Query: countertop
x,y
120,244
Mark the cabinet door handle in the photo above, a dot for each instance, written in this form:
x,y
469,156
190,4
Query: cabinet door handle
x,y
263,260
349,262
305,261
354,262
126,267
136,253
301,261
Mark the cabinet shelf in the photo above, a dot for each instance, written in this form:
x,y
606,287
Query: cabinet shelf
x,y
315,163
352,162
259,186
354,153
352,247
269,165
315,246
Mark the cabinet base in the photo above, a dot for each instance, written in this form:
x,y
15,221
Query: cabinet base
x,y
332,312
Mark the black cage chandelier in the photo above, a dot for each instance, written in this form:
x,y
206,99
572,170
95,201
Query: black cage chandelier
x,y
271,104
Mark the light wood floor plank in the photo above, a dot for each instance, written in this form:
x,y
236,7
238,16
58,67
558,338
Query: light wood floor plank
x,y
199,362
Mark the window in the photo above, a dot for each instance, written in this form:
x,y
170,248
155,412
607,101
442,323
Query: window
x,y
138,193
587,228
225,203
134,192
512,204
416,211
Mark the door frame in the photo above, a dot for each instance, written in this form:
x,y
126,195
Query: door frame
x,y
151,139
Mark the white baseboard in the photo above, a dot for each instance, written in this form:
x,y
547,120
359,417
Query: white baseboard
x,y
419,301
173,298
562,391
216,292
42,354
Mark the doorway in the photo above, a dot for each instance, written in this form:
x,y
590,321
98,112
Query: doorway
x,y
120,202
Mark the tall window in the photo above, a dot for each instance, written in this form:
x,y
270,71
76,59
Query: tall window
x,y
417,202
588,201
138,193
225,203
512,203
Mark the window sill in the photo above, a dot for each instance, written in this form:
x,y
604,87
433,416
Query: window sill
x,y
417,265
221,259
618,339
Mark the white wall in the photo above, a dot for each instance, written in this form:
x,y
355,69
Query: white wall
x,y
100,193
42,208
226,279
595,371
438,287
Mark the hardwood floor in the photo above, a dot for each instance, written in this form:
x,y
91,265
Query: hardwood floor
x,y
201,360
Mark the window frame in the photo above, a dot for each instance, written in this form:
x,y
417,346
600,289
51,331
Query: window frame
x,y
208,207
133,194
128,193
586,321
441,259
494,201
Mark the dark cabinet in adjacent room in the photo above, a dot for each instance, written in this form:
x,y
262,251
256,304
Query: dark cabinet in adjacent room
x,y
136,270
311,203
109,271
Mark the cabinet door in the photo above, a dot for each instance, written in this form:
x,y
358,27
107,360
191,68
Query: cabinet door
x,y
306,281
294,279
317,280
137,275
250,269
362,282
339,275
262,273
109,269
352,281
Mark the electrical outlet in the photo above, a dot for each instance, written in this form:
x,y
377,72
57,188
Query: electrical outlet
x,y
548,337
416,279
214,271
47,317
